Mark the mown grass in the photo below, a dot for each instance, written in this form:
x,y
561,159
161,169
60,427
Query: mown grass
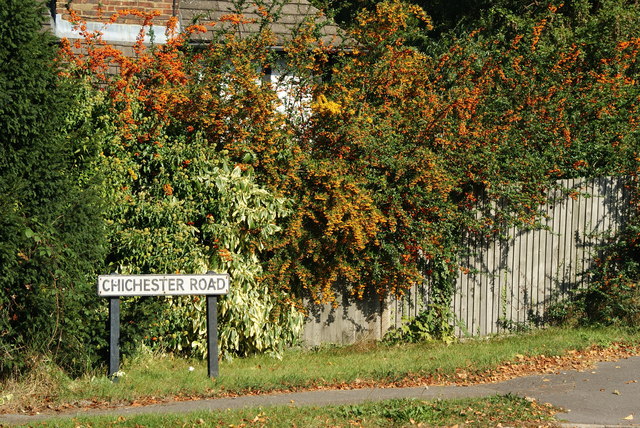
x,y
158,377
506,410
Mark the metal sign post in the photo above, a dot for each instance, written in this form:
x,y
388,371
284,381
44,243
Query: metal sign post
x,y
114,337
212,335
210,285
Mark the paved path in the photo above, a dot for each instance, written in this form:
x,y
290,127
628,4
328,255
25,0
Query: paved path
x,y
606,396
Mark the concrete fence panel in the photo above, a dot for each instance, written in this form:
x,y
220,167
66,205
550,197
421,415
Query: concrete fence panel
x,y
511,282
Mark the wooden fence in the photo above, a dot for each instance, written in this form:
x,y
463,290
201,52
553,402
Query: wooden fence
x,y
511,282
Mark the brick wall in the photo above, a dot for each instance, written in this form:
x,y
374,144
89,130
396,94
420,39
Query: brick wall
x,y
96,12
99,10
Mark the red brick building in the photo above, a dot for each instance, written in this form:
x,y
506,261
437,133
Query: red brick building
x,y
125,31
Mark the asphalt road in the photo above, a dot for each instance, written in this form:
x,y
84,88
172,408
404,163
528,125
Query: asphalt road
x,y
609,395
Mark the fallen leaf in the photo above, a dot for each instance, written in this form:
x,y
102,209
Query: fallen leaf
x,y
259,418
616,392
629,418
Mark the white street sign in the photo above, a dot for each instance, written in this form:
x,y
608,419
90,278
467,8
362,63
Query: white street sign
x,y
162,285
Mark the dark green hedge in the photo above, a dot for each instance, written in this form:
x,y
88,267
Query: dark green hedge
x,y
50,228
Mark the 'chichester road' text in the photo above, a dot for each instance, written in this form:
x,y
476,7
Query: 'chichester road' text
x,y
162,285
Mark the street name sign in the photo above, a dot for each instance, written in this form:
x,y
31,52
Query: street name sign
x,y
115,286
162,285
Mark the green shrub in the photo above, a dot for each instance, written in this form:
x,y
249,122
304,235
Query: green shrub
x,y
189,131
429,325
51,233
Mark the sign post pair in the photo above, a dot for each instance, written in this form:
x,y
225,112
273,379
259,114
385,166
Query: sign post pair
x,y
210,285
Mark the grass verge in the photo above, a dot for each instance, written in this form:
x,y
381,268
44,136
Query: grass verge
x,y
492,411
150,378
